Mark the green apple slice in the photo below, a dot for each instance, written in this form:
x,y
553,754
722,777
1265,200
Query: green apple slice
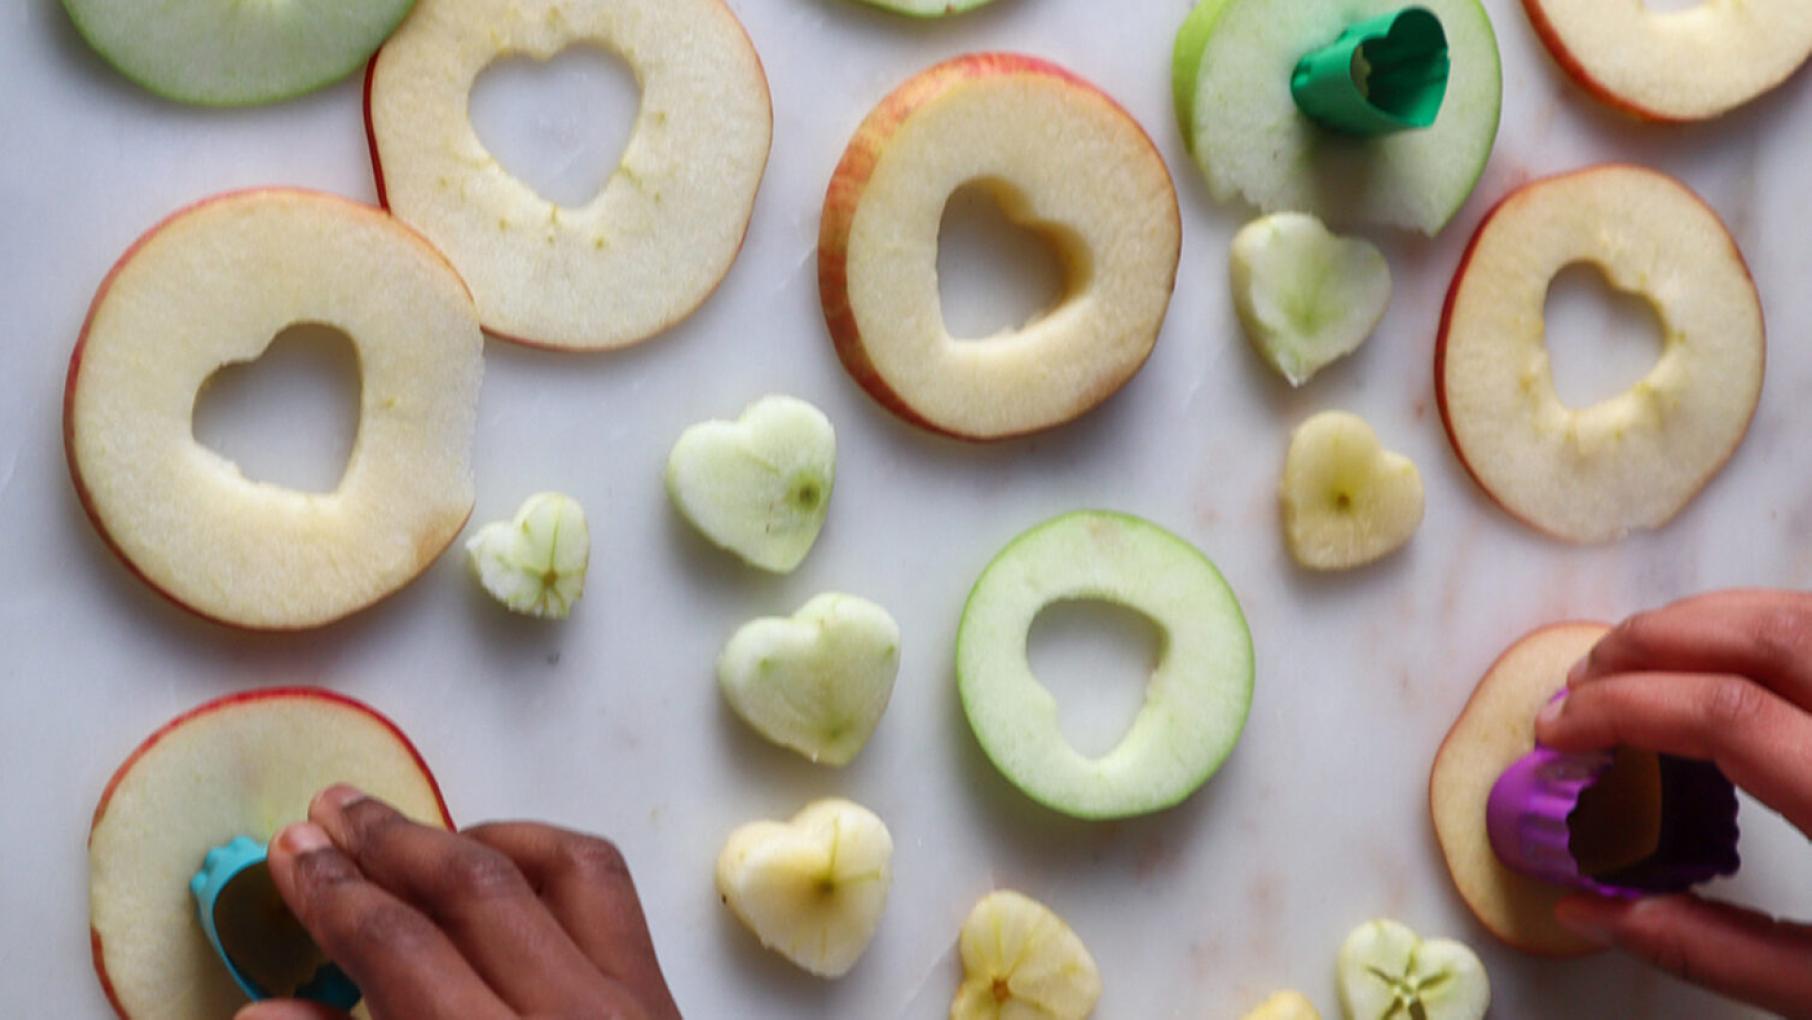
x,y
926,8
1387,973
1306,297
1199,694
1231,76
817,682
535,564
235,53
759,486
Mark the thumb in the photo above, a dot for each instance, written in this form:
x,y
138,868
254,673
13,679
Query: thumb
x,y
1734,952
289,1009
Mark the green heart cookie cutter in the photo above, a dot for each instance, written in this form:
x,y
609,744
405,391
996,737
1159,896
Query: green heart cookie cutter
x,y
1383,75
227,864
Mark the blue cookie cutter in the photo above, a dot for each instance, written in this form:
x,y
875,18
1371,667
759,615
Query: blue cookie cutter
x,y
225,865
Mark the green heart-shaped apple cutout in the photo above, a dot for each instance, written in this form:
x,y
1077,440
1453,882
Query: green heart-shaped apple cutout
x,y
535,563
1386,972
1306,297
759,486
816,682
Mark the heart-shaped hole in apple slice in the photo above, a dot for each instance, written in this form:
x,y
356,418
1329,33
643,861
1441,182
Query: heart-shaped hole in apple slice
x,y
996,271
1097,659
559,126
290,418
1600,340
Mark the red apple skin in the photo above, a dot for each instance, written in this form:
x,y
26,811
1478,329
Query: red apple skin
x,y
845,195
1453,295
1546,952
231,701
383,192
429,552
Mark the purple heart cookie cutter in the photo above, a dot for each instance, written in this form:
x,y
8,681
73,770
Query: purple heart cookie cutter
x,y
1532,809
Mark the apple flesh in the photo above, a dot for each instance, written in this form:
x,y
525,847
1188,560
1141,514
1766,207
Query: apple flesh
x,y
1675,66
212,286
1306,297
1387,972
1496,728
244,765
1231,76
230,53
535,564
1285,1006
655,242
1021,960
1636,460
1347,501
1062,158
1199,694
927,8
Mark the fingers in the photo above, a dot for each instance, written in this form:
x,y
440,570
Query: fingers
x,y
404,964
289,1009
1762,743
1733,952
586,885
1763,635
473,893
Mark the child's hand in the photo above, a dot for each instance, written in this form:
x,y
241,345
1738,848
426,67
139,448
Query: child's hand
x,y
498,922
1724,678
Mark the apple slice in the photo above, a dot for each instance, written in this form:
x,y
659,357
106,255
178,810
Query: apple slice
x,y
1388,973
231,53
1496,728
818,682
535,564
211,287
1306,297
1285,1006
1675,65
760,486
1347,501
1231,74
1062,158
1021,960
811,889
244,765
1199,694
655,242
927,8
1635,460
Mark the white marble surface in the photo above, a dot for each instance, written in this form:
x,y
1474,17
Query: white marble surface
x,y
612,722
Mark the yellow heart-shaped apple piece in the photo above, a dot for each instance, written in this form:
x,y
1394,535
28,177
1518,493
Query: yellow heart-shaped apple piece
x,y
1347,501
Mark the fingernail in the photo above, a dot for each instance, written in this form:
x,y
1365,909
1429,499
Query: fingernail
x,y
1590,920
1577,674
1551,712
303,838
340,796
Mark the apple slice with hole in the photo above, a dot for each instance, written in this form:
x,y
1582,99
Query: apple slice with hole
x,y
213,286
652,245
244,765
1062,158
1636,460
1199,694
1675,65
1231,74
231,53
1496,728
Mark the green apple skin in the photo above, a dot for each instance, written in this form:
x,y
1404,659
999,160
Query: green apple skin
x,y
1199,696
198,52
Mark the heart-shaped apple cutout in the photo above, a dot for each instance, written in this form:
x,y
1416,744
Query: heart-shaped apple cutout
x,y
759,486
817,682
1347,501
1387,972
1306,297
535,564
811,889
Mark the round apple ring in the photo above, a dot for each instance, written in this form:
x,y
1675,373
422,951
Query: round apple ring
x,y
1199,694
653,244
1063,158
1675,66
1636,460
212,286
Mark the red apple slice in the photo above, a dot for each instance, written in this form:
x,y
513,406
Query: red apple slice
x,y
1635,460
1061,157
212,286
244,765
655,242
1495,729
1684,65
